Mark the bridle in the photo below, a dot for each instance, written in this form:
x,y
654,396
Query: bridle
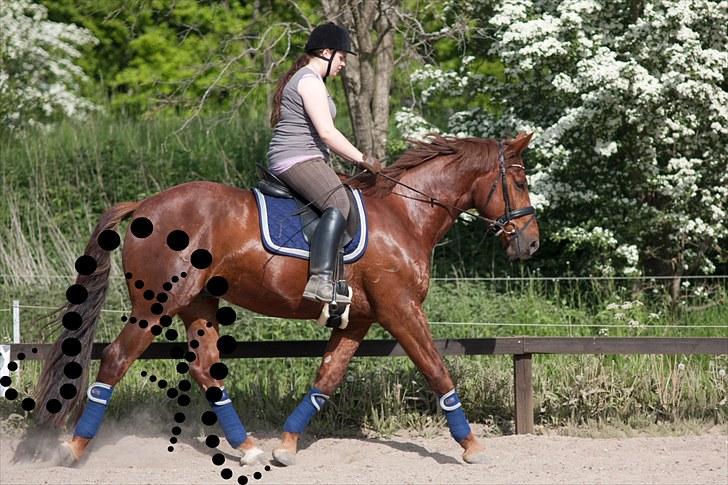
x,y
500,224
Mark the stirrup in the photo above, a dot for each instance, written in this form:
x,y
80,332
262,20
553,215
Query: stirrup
x,y
336,316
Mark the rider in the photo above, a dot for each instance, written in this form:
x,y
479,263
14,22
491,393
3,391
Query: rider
x,y
303,134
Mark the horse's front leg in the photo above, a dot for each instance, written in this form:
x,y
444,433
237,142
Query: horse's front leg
x,y
340,349
408,324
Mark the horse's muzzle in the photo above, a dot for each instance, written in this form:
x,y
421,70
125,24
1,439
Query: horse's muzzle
x,y
521,247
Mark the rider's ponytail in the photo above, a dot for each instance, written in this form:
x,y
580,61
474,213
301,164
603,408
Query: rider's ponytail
x,y
275,115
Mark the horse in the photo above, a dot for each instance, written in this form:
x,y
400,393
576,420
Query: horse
x,y
411,205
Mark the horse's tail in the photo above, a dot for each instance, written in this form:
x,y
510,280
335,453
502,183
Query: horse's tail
x,y
96,284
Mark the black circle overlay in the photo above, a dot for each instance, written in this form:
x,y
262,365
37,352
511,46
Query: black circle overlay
x,y
218,371
71,346
28,404
72,320
53,406
217,286
141,227
225,315
76,294
108,240
218,459
73,370
226,344
68,391
213,393
208,418
201,258
85,265
178,240
212,441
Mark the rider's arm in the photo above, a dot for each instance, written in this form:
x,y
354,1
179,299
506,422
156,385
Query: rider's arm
x,y
316,104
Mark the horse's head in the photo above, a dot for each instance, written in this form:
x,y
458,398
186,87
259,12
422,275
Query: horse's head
x,y
502,195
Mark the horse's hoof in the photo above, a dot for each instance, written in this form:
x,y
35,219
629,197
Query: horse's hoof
x,y
479,457
251,456
66,456
284,457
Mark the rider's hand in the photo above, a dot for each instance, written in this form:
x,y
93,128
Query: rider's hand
x,y
370,164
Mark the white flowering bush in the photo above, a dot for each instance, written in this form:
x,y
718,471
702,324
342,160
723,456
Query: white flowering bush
x,y
412,125
38,78
629,108
630,317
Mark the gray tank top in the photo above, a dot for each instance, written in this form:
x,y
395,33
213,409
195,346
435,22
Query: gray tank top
x,y
295,137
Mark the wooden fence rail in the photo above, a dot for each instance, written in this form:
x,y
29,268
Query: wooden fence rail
x,y
521,348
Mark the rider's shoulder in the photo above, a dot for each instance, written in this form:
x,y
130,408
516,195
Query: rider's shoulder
x,y
310,83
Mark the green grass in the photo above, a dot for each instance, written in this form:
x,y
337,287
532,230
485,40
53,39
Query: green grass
x,y
384,395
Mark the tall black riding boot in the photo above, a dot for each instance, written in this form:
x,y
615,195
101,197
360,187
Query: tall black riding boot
x,y
324,251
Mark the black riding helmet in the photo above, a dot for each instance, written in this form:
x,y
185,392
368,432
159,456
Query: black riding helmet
x,y
329,36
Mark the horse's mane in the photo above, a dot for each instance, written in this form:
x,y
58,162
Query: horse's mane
x,y
421,152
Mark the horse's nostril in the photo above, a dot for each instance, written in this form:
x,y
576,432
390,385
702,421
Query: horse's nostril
x,y
534,247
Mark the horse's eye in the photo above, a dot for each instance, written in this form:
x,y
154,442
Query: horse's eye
x,y
520,185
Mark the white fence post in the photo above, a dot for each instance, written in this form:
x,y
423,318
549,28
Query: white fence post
x,y
16,321
4,361
5,349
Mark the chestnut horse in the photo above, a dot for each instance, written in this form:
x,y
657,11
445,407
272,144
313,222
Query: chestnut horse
x,y
410,205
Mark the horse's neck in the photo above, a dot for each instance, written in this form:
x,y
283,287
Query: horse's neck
x,y
431,221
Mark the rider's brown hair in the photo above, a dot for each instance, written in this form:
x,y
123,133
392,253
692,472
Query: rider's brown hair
x,y
275,115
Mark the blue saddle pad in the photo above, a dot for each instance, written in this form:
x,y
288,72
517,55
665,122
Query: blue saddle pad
x,y
282,229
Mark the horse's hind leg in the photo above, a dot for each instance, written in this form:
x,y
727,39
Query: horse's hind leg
x,y
115,361
408,324
200,321
339,351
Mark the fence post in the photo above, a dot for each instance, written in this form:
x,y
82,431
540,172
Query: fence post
x,y
523,390
4,361
6,349
16,321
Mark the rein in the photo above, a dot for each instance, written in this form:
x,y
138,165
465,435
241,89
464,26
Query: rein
x,y
502,224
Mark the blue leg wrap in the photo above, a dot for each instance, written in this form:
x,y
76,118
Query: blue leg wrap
x,y
456,420
229,420
99,395
312,403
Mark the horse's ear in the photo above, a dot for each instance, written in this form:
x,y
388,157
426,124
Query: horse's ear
x,y
520,142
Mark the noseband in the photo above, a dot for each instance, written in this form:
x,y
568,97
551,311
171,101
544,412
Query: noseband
x,y
500,225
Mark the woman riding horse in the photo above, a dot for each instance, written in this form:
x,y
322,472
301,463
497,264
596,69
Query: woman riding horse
x,y
303,133
188,237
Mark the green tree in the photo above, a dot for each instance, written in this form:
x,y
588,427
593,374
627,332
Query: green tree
x,y
175,54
